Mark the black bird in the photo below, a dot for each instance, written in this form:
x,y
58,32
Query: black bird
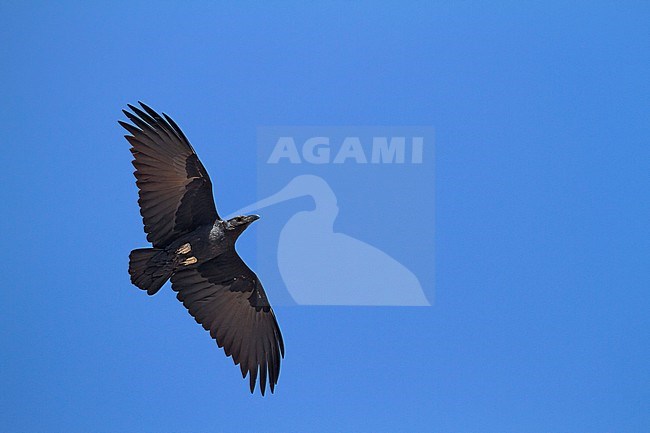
x,y
194,247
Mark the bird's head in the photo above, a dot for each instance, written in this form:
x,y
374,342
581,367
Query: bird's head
x,y
238,224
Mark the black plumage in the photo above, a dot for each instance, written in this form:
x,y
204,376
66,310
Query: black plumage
x,y
195,248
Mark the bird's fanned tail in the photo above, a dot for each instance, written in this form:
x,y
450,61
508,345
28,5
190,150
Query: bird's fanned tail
x,y
150,268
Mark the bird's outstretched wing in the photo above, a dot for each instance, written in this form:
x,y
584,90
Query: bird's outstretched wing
x,y
174,187
227,299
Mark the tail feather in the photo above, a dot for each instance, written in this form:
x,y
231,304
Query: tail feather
x,y
149,269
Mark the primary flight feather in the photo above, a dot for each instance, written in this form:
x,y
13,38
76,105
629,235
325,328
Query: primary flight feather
x,y
195,248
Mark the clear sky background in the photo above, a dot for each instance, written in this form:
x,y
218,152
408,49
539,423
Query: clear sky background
x,y
540,320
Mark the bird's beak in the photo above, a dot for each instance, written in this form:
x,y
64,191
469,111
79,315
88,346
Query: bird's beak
x,y
252,218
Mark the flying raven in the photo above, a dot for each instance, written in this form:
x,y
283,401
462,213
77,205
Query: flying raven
x,y
194,247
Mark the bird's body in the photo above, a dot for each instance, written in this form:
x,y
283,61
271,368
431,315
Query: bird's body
x,y
195,248
204,243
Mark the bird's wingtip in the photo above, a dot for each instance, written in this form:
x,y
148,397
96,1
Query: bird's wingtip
x,y
145,106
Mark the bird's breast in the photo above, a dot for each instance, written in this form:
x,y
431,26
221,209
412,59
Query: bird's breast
x,y
203,244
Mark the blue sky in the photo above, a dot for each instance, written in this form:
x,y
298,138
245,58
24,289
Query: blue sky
x,y
540,319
